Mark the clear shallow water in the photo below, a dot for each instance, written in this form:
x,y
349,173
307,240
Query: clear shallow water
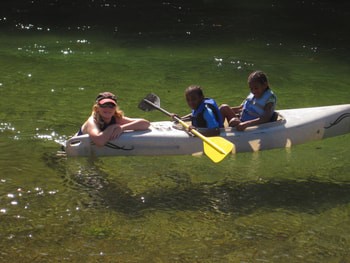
x,y
274,206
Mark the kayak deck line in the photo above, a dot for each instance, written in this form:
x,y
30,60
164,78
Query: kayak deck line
x,y
294,126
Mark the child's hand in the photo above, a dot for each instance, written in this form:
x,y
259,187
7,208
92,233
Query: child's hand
x,y
242,126
174,117
191,127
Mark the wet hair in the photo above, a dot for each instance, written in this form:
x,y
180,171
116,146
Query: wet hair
x,y
194,89
259,77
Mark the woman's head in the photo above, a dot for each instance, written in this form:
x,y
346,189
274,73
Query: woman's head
x,y
258,83
194,96
106,97
106,107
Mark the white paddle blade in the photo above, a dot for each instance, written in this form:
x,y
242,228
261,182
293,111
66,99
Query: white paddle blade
x,y
152,98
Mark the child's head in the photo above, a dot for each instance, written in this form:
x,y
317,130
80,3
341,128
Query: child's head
x,y
194,96
258,83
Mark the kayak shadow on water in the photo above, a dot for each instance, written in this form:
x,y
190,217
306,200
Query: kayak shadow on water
x,y
229,197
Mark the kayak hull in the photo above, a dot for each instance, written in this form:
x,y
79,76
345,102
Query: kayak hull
x,y
295,126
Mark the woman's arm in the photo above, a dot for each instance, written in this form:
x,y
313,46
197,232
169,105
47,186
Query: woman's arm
x,y
99,137
135,124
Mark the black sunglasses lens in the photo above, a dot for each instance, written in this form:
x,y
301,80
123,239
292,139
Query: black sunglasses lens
x,y
107,105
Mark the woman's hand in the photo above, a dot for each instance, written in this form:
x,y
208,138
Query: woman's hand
x,y
115,132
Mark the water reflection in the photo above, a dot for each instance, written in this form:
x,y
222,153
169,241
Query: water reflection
x,y
63,47
17,203
230,198
9,131
183,211
5,126
234,63
21,26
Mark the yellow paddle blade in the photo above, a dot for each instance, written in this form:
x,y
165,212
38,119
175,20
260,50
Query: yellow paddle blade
x,y
213,153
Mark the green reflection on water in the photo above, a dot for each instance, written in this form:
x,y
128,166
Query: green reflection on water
x,y
275,206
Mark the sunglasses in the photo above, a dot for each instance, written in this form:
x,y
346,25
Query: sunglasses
x,y
107,105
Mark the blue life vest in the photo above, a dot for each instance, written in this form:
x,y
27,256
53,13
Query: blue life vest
x,y
198,114
254,108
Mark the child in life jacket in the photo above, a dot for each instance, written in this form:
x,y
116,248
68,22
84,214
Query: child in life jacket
x,y
257,108
205,115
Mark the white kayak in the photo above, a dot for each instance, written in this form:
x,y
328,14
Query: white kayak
x,y
294,126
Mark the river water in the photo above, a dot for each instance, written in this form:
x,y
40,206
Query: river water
x,y
283,205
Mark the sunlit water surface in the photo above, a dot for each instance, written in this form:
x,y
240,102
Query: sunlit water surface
x,y
283,205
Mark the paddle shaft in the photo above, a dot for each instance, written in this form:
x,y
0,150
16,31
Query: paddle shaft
x,y
195,132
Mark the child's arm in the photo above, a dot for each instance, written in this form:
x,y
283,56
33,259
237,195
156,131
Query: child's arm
x,y
266,117
237,109
187,117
